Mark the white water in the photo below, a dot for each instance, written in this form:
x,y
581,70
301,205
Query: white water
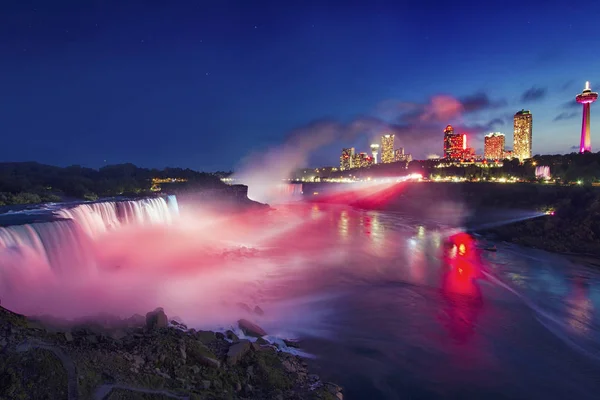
x,y
64,245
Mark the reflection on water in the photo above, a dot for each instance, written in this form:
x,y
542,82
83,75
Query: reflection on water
x,y
418,314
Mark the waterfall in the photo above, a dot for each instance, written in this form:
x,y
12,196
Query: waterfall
x,y
64,245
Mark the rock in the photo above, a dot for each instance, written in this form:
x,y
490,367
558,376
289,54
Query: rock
x,y
237,351
292,343
258,311
248,388
206,336
251,329
332,388
289,366
339,395
244,307
262,342
238,387
68,336
206,385
250,371
195,369
220,335
232,336
156,319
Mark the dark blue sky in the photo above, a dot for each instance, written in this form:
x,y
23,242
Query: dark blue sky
x,y
201,84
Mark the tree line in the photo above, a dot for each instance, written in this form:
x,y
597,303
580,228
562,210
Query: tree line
x,y
31,182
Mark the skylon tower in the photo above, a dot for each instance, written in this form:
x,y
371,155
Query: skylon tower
x,y
587,97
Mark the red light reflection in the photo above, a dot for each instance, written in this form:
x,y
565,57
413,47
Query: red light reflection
x,y
459,286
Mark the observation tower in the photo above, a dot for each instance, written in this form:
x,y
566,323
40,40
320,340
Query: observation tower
x,y
374,151
587,97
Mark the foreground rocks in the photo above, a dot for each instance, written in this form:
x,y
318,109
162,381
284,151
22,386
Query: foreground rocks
x,y
145,358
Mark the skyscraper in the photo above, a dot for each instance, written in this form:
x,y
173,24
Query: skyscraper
x,y
387,149
347,159
587,97
374,151
493,146
454,144
522,135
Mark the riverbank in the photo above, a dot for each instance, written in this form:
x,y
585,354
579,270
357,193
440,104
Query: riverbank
x,y
146,357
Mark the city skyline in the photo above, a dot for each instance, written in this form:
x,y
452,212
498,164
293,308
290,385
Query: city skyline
x,y
166,85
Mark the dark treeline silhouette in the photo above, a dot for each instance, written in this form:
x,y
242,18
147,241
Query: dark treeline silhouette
x,y
31,182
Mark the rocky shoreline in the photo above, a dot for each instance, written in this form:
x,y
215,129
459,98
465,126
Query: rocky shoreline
x,y
147,358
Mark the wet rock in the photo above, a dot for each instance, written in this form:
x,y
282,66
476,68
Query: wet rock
x,y
262,342
251,329
156,319
292,343
237,351
258,311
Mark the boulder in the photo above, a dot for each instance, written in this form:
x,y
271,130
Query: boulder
x,y
156,319
251,329
232,336
237,351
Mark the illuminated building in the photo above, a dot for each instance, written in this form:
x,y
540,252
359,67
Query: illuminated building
x,y
362,160
374,152
508,154
399,155
493,146
387,149
347,158
454,144
587,97
522,135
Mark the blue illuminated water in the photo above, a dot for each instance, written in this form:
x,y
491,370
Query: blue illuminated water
x,y
398,319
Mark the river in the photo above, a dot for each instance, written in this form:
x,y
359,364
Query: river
x,y
398,312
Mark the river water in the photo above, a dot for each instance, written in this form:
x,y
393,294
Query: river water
x,y
395,308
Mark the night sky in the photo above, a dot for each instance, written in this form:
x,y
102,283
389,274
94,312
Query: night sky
x,y
202,84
